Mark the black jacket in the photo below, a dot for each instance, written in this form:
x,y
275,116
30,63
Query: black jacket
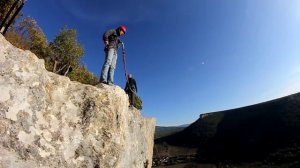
x,y
132,84
113,38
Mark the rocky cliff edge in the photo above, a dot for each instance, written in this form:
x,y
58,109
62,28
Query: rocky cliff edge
x,y
46,120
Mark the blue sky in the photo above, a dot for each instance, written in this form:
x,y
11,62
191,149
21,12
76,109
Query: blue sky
x,y
189,56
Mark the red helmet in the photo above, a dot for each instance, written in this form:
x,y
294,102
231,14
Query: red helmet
x,y
123,28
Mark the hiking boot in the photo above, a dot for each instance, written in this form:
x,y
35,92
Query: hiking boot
x,y
110,83
104,82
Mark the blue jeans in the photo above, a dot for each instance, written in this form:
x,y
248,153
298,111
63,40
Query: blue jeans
x,y
109,66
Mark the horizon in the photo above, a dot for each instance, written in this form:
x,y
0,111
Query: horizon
x,y
235,108
190,57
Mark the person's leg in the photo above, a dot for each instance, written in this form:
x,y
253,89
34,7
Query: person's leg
x,y
111,71
133,99
130,98
106,65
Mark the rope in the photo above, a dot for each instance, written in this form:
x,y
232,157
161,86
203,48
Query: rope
x,y
126,78
124,60
125,68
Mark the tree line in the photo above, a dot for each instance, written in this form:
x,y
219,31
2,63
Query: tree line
x,y
62,55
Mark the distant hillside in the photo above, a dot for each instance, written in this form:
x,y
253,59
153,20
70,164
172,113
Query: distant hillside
x,y
268,131
184,125
165,131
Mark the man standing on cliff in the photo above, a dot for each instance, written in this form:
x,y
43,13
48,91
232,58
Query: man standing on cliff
x,y
111,39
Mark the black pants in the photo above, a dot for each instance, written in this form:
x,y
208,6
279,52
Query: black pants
x,y
131,98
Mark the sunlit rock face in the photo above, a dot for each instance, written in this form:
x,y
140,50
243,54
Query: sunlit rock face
x,y
46,120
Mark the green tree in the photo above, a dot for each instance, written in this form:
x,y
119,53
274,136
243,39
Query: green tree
x,y
81,74
66,51
29,28
62,56
29,36
17,40
138,103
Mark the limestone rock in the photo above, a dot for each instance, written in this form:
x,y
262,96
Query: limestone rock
x,y
46,120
